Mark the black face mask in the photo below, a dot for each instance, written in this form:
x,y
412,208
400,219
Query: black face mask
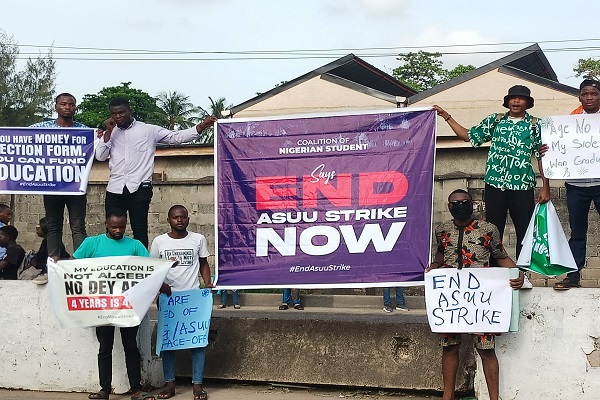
x,y
462,211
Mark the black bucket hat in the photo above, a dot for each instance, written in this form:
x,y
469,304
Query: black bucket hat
x,y
519,90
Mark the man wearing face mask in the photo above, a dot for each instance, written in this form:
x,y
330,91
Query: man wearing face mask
x,y
467,242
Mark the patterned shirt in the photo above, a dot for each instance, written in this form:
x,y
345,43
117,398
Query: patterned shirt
x,y
53,124
476,241
508,165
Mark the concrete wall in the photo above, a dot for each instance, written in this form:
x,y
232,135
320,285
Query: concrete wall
x,y
189,181
556,353
37,354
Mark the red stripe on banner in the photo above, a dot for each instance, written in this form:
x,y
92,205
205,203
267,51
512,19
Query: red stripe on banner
x,y
91,303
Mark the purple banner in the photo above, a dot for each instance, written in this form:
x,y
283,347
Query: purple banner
x,y
45,160
325,201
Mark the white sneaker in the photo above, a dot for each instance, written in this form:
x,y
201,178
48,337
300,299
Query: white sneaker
x,y
387,309
40,279
526,283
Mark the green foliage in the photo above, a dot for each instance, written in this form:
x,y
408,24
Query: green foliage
x,y
176,111
26,96
588,68
458,71
424,70
216,108
93,109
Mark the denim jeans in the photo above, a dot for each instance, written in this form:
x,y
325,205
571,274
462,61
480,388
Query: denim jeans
x,y
106,337
168,360
234,294
137,205
399,297
55,209
579,200
291,295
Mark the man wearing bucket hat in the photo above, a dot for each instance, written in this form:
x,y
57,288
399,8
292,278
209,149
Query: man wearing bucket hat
x,y
509,176
581,192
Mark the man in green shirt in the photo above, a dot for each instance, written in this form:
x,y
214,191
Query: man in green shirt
x,y
115,243
509,177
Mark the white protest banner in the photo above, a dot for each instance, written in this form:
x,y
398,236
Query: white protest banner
x,y
470,300
574,146
104,291
183,320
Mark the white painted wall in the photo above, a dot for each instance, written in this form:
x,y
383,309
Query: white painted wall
x,y
556,353
37,354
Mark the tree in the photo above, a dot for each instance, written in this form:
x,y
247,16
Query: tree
x,y
176,111
458,71
424,70
589,68
93,109
26,96
216,108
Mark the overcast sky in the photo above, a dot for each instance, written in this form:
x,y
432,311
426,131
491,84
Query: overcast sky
x,y
375,30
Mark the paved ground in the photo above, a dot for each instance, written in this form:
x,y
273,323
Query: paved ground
x,y
225,391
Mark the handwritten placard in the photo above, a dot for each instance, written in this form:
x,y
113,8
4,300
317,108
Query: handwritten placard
x,y
470,300
184,320
574,146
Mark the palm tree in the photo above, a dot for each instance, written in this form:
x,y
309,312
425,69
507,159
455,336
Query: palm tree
x,y
216,108
176,111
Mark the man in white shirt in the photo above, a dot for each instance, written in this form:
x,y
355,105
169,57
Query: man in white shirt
x,y
581,192
131,145
190,249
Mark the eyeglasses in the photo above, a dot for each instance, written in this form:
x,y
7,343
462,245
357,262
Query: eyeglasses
x,y
458,202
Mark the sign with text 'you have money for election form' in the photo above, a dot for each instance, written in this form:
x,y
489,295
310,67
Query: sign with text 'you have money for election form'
x,y
574,146
45,160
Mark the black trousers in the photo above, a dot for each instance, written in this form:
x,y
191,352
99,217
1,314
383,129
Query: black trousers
x,y
106,337
137,205
519,203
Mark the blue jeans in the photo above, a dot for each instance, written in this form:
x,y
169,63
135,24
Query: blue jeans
x,y
168,359
399,297
234,294
578,204
291,295
55,209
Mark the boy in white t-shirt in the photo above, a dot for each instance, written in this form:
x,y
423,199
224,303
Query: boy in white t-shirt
x,y
191,250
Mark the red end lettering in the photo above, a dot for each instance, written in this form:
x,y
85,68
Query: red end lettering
x,y
275,192
340,196
379,188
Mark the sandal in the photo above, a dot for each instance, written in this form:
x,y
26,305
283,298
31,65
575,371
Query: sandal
x,y
98,395
566,284
142,396
201,395
298,307
166,394
283,307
